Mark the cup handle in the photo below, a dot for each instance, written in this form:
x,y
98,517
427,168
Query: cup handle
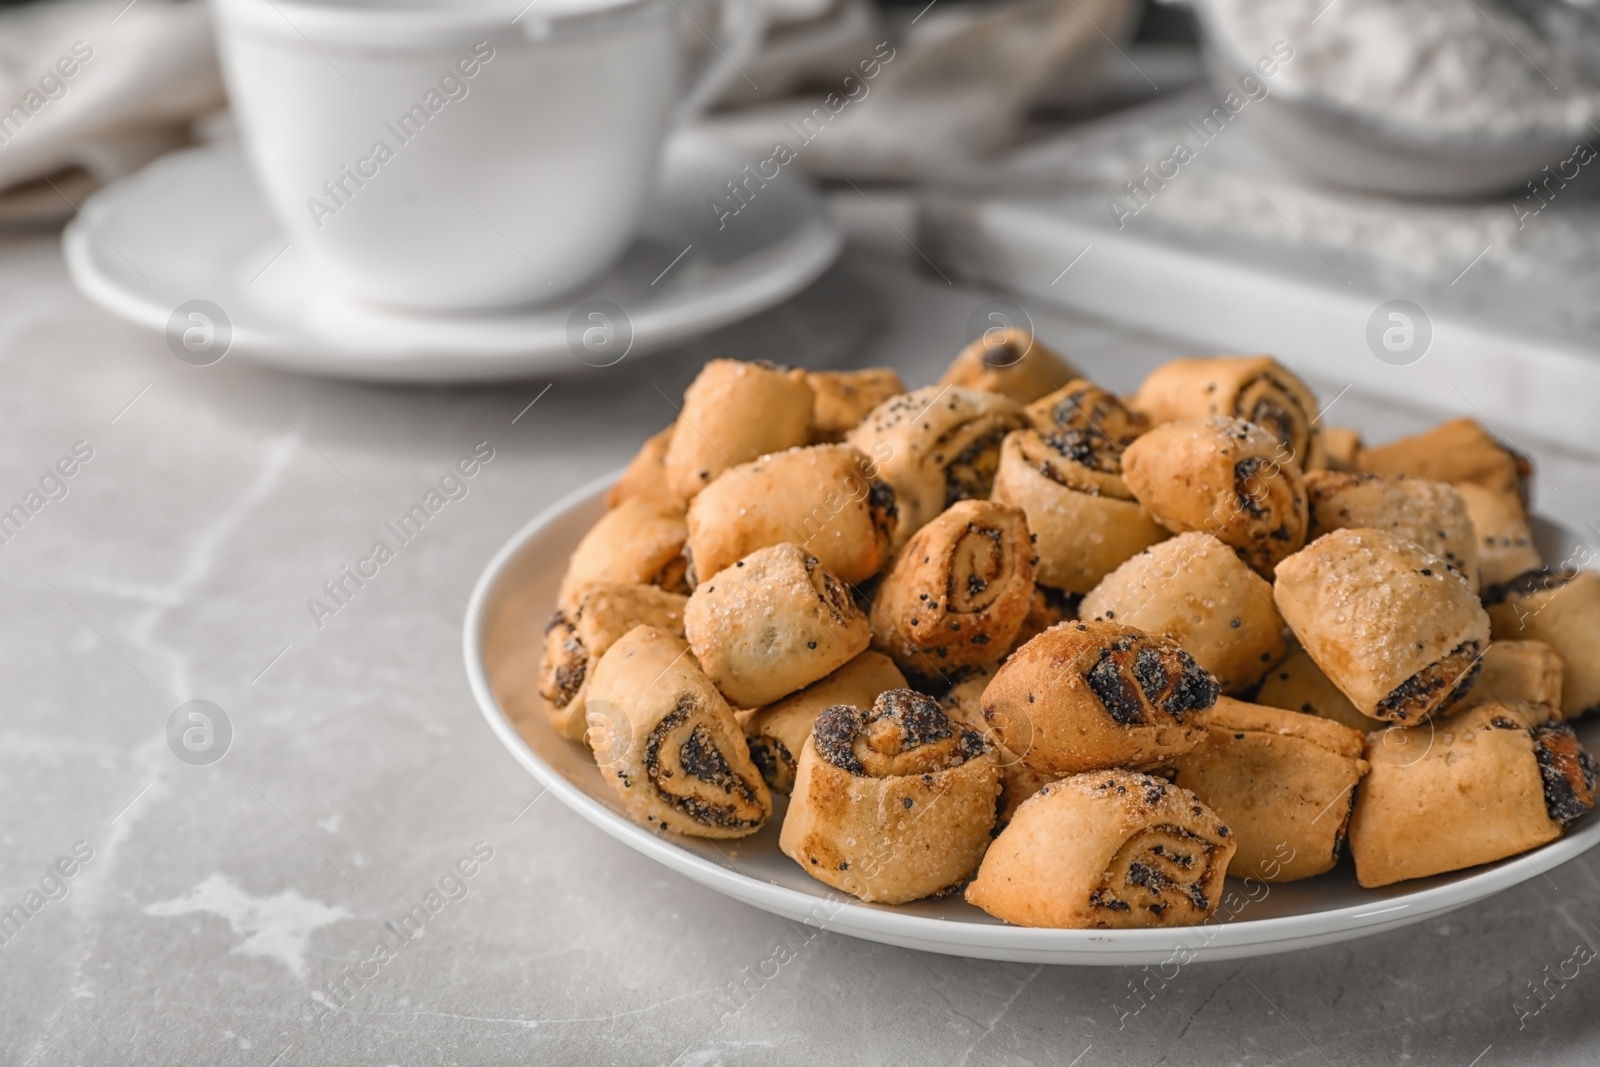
x,y
741,24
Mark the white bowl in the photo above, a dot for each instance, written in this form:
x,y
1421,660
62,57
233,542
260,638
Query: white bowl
x,y
503,641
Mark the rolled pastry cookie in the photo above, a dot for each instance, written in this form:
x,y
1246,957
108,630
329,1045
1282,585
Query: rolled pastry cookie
x,y
1012,362
778,731
1196,590
1089,695
1453,452
1224,477
1505,540
1298,684
1283,782
1257,389
575,641
1048,607
667,742
1396,630
638,542
1341,446
1494,781
893,803
957,593
1084,520
936,445
1527,671
1111,849
828,499
844,397
1083,405
733,412
1018,781
646,474
771,624
1432,514
1562,609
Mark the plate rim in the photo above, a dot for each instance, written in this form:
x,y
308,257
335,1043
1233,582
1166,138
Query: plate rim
x,y
796,261
1228,940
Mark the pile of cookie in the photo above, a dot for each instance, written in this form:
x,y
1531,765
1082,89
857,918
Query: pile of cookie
x,y
1075,655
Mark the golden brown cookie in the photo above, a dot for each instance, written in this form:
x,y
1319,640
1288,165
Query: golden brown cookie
x,y
733,412
1505,540
1453,452
638,542
1083,405
1018,781
1341,448
667,742
1012,362
1110,849
1283,782
1498,779
1432,514
771,624
646,474
1298,684
1397,630
1257,389
1197,591
892,803
778,731
844,397
1523,671
1225,477
1089,695
957,593
1562,609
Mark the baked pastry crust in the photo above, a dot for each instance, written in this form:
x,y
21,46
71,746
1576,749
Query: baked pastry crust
x,y
667,742
1527,671
638,542
828,499
1084,520
1453,452
1257,389
1341,449
1498,779
1090,695
1284,783
1083,405
1018,781
1504,538
891,804
778,732
1225,477
957,593
646,473
1432,514
1012,362
1196,590
1562,609
1110,849
1397,631
1298,684
733,412
772,624
844,397
936,446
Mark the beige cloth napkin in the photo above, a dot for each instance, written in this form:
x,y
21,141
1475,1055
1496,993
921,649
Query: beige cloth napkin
x,y
94,89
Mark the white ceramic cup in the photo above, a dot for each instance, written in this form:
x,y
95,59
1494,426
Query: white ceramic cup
x,y
466,154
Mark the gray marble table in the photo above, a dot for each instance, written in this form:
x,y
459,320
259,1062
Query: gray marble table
x,y
218,904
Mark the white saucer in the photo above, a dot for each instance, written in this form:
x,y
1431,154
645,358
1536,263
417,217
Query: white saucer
x,y
193,226
517,591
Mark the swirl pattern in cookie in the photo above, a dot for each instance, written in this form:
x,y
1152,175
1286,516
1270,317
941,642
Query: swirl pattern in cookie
x,y
665,739
1283,782
1432,514
733,412
936,446
1110,849
1257,389
1496,780
778,731
772,624
1083,405
892,803
1560,607
1196,590
1012,362
638,542
844,397
1090,695
1225,477
828,499
575,641
957,593
1084,520
1391,625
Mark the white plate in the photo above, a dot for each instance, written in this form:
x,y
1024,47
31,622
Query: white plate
x,y
517,591
194,226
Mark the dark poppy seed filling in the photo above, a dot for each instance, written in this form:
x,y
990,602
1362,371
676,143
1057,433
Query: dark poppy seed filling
x,y
881,504
1248,488
1109,682
1435,686
691,774
774,760
1088,448
970,475
571,660
922,721
1527,583
904,733
1567,771
834,734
